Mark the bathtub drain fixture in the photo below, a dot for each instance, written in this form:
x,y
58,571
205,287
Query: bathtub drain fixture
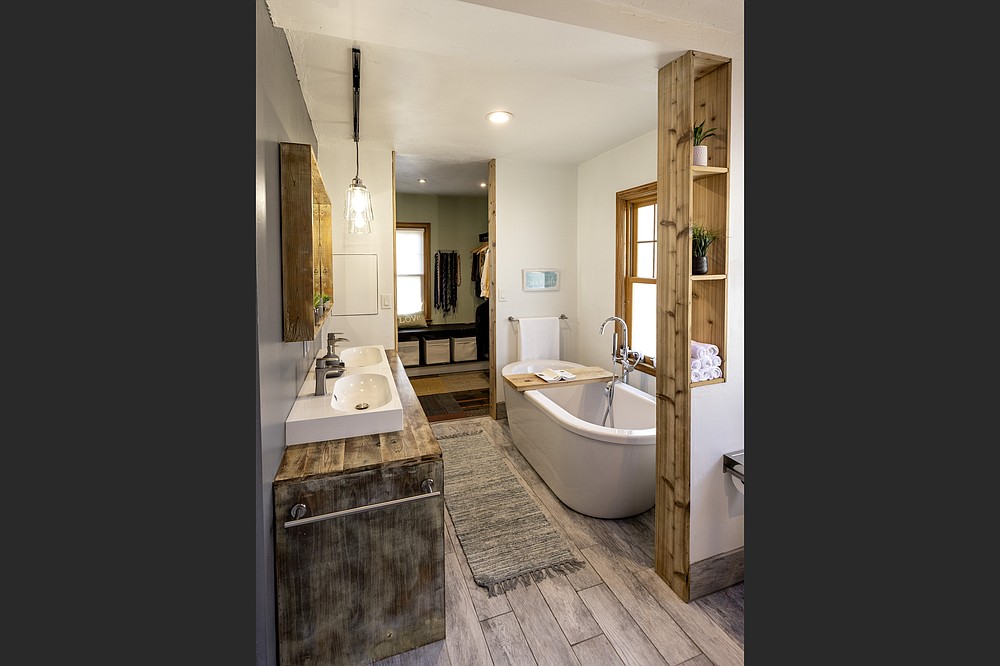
x,y
361,405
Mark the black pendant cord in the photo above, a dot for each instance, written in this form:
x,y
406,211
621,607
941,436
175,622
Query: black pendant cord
x,y
357,104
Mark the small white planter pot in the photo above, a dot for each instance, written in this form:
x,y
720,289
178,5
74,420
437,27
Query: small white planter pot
x,y
701,155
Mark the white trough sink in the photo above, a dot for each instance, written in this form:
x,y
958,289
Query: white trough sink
x,y
360,392
362,401
360,357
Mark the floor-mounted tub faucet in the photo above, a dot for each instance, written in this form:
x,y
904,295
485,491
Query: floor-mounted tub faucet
x,y
614,341
620,354
624,356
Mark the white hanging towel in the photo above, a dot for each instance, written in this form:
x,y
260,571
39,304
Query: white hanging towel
x,y
538,337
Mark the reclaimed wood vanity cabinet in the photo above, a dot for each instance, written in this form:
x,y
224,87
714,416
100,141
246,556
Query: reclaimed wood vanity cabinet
x,y
359,543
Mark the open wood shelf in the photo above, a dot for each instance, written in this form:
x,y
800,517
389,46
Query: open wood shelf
x,y
698,172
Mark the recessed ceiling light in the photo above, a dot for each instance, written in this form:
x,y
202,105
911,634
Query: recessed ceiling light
x,y
499,117
421,180
482,184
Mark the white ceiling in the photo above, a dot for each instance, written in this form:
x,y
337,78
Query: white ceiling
x,y
580,76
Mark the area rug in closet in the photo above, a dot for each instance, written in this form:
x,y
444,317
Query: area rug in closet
x,y
452,396
428,385
440,407
457,405
506,538
466,381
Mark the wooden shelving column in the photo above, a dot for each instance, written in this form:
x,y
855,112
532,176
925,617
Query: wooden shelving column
x,y
694,87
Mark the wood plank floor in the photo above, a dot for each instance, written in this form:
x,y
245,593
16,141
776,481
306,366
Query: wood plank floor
x,y
615,610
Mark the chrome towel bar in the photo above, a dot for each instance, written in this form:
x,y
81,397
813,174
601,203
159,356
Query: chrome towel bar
x,y
299,509
513,318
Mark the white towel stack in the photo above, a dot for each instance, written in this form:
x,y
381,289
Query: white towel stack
x,y
703,349
705,362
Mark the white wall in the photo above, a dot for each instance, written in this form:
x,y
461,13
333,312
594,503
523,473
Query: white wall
x,y
337,164
600,178
536,227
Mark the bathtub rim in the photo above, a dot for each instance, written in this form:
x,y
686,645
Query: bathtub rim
x,y
622,436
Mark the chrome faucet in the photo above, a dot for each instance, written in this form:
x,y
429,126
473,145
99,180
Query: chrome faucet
x,y
616,351
616,357
622,353
331,345
330,365
327,368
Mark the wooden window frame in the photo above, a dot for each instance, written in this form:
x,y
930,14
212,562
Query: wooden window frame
x,y
626,201
426,227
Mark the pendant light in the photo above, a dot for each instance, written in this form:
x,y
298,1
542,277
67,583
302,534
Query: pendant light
x,y
358,205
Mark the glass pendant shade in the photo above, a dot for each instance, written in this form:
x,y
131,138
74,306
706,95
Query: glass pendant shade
x,y
358,208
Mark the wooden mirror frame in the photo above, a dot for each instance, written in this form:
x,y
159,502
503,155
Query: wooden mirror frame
x,y
306,243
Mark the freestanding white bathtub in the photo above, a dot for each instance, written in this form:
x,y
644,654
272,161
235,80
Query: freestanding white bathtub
x,y
595,470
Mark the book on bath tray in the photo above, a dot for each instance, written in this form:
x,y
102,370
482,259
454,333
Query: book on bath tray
x,y
551,375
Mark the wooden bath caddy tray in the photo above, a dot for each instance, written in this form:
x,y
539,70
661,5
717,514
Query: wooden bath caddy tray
x,y
529,381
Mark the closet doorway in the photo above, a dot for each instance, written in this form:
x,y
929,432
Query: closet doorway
x,y
443,264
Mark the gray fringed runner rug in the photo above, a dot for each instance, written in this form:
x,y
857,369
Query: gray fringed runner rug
x,y
506,538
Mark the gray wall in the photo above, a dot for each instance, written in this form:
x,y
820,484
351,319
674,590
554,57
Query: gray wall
x,y
281,368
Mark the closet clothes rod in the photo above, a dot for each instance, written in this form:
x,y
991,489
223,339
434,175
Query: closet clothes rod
x,y
513,318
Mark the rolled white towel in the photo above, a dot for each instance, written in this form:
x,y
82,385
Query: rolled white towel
x,y
696,375
703,349
716,372
696,364
711,362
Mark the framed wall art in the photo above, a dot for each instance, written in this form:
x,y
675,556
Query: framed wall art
x,y
540,279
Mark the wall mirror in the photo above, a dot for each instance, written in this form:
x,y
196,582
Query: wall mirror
x,y
306,244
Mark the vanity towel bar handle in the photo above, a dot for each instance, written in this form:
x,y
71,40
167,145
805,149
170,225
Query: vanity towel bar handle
x,y
427,485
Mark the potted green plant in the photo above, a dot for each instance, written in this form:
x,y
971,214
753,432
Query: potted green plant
x,y
701,238
320,300
319,305
701,150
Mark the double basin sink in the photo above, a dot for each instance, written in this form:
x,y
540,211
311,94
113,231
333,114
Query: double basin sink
x,y
362,401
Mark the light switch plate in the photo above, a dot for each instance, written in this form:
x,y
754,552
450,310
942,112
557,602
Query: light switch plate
x,y
385,302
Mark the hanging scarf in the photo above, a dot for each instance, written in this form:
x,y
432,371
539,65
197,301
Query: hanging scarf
x,y
447,277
